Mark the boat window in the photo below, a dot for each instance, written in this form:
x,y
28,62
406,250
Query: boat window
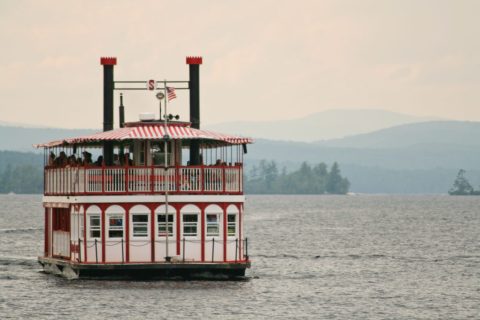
x,y
212,225
115,226
140,225
162,224
190,225
95,231
232,225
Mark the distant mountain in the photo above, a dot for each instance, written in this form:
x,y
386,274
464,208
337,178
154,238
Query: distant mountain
x,y
413,158
426,134
447,144
408,158
22,138
324,125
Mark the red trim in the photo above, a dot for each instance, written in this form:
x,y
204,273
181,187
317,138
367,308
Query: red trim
x,y
127,233
225,233
177,220
51,238
148,262
152,233
69,223
108,61
202,226
240,211
194,60
85,257
47,228
103,232
150,193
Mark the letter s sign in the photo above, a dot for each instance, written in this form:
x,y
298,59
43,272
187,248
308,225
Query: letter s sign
x,y
151,84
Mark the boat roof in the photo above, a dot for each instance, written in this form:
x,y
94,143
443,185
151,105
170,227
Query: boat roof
x,y
151,131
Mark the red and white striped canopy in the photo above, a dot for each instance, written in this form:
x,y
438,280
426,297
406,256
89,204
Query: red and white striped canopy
x,y
151,132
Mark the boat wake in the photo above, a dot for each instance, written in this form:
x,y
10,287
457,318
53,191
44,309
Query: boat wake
x,y
20,230
18,261
277,256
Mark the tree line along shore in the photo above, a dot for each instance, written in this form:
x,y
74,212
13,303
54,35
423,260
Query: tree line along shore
x,y
22,173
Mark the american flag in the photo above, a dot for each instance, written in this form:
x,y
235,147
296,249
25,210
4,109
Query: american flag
x,y
171,93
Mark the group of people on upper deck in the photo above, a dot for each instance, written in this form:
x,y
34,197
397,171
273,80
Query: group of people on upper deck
x,y
64,161
72,161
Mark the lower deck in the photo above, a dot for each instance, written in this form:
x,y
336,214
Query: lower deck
x,y
114,230
150,271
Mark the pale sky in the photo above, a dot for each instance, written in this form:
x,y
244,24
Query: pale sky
x,y
263,60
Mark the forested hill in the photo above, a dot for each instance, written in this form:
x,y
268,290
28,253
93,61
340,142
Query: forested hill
x,y
14,158
21,172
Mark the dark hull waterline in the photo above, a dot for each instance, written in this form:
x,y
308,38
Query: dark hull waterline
x,y
146,271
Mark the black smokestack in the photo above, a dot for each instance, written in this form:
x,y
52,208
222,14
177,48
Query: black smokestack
x,y
108,86
194,85
121,112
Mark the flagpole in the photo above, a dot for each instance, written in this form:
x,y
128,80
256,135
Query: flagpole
x,y
165,137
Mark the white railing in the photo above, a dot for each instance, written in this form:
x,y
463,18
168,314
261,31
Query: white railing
x,y
214,179
232,179
116,180
61,243
139,179
189,179
164,180
93,179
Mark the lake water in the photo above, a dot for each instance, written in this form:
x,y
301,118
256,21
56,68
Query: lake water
x,y
314,257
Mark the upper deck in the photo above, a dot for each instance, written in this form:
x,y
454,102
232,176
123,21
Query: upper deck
x,y
124,180
147,158
151,156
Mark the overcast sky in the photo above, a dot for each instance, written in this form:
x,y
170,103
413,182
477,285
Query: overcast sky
x,y
263,60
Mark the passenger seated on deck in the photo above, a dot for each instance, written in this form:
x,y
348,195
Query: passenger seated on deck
x,y
87,158
127,156
116,160
51,159
72,162
61,161
99,161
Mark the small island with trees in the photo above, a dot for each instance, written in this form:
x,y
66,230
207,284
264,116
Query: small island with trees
x,y
462,187
266,178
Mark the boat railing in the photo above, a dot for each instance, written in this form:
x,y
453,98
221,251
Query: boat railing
x,y
144,180
184,250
